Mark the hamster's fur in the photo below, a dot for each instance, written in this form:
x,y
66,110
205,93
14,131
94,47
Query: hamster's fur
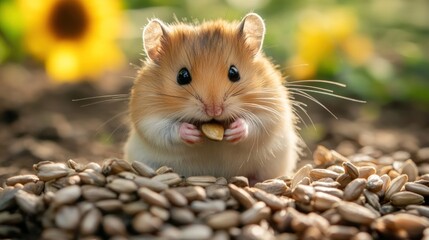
x,y
167,110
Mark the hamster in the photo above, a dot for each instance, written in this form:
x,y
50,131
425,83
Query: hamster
x,y
211,72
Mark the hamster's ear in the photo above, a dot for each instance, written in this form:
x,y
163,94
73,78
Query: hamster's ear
x,y
153,33
252,28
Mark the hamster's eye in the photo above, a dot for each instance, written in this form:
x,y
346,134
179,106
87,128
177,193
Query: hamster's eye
x,y
233,74
184,77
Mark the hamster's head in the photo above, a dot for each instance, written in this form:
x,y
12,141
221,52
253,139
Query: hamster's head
x,y
214,71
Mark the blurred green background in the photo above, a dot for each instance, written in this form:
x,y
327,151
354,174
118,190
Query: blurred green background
x,y
380,49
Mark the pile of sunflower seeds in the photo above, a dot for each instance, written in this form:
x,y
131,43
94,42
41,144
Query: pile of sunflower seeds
x,y
357,197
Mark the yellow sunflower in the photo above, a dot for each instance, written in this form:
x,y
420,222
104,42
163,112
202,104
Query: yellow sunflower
x,y
75,38
321,36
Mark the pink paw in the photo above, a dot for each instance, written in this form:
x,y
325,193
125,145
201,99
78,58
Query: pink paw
x,y
189,133
237,131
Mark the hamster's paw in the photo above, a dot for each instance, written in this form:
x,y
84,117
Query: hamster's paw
x,y
189,133
237,131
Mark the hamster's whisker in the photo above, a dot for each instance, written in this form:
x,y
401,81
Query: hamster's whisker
x,y
300,106
333,95
197,96
299,86
98,129
319,81
168,95
295,112
113,96
308,96
105,101
253,118
229,90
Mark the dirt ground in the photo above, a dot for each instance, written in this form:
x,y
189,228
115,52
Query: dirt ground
x,y
41,120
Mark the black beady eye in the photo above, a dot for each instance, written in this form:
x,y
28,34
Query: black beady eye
x,y
233,74
184,77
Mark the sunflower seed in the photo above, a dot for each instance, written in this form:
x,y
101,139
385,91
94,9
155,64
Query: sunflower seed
x,y
29,203
255,214
241,196
422,210
311,232
351,169
143,169
22,179
254,231
374,183
341,232
303,193
301,174
195,232
202,181
239,181
213,131
410,169
323,201
122,186
67,195
366,171
114,226
210,206
274,186
182,216
192,192
95,194
75,165
354,189
135,207
56,233
355,213
153,198
216,191
417,188
152,184
331,184
317,174
336,168
224,220
67,217
94,167
115,166
372,199
175,198
404,198
34,188
322,155
146,223
395,186
109,205
90,222
332,191
343,180
168,178
362,236
272,201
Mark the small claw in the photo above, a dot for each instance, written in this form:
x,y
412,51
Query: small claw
x,y
237,131
189,133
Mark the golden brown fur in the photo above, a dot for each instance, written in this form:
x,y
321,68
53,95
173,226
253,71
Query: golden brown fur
x,y
159,104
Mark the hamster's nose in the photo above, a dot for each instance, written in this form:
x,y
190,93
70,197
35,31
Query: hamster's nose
x,y
213,110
